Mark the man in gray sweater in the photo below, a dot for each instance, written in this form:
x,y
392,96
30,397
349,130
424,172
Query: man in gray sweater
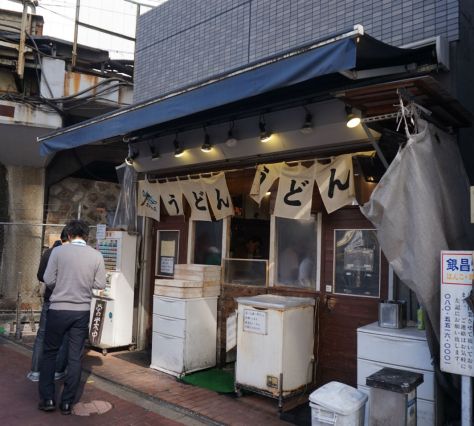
x,y
73,271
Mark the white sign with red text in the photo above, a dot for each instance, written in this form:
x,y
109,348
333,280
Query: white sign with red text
x,y
456,338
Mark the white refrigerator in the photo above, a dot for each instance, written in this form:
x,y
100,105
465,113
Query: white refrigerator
x,y
274,345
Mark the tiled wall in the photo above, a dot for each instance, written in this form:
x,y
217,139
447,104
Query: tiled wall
x,y
185,41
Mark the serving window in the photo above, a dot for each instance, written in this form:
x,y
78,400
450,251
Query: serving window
x,y
356,262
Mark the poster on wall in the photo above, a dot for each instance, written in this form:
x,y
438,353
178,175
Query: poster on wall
x,y
167,253
356,262
456,339
295,192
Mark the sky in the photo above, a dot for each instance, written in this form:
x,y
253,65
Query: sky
x,y
113,15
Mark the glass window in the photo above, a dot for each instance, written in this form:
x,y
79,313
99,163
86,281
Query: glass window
x,y
245,272
296,246
207,242
357,262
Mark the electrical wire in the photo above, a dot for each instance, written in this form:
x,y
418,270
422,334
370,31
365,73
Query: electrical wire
x,y
51,102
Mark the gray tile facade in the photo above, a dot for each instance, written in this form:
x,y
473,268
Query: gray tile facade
x,y
185,41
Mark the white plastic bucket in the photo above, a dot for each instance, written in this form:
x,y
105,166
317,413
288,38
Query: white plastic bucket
x,y
337,404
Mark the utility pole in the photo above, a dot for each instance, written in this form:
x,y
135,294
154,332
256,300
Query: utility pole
x,y
76,30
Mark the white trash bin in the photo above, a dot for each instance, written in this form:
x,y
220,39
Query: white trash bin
x,y
337,404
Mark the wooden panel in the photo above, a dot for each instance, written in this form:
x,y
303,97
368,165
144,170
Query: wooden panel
x,y
379,99
341,315
167,223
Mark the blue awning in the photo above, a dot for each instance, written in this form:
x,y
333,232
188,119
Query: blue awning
x,y
337,55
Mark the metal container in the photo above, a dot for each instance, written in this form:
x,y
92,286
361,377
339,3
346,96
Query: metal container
x,y
392,314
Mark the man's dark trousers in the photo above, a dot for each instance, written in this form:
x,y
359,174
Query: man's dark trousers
x,y
58,323
37,357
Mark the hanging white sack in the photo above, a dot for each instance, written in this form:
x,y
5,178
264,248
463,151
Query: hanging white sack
x,y
295,192
195,194
172,197
336,182
420,207
218,195
265,176
148,200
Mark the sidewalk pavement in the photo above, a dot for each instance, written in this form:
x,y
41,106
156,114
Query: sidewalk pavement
x,y
207,405
176,402
19,400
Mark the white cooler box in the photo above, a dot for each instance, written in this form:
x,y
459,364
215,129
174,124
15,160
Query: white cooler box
x,y
337,404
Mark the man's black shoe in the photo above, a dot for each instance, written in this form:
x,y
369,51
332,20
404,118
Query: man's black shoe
x,y
66,408
47,405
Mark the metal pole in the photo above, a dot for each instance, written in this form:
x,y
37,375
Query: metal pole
x,y
466,398
18,310
76,29
375,145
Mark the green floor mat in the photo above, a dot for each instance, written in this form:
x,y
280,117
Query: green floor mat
x,y
214,379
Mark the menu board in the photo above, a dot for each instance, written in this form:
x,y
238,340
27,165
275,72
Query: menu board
x,y
111,251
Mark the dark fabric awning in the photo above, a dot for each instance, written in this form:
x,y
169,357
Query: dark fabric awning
x,y
349,51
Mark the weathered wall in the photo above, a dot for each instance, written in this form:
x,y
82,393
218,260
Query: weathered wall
x,y
22,208
21,205
185,41
93,201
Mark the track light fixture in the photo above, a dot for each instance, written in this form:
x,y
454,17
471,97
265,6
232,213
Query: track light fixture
x,y
353,118
231,140
206,146
265,135
178,151
132,154
308,122
155,155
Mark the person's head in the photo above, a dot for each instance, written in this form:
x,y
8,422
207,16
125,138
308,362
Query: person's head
x,y
253,245
77,229
64,237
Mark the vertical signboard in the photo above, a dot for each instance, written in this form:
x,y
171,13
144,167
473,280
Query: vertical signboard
x,y
97,323
457,349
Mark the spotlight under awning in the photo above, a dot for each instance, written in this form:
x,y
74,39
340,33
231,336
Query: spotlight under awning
x,y
308,65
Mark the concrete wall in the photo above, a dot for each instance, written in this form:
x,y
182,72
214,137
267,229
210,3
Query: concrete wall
x,y
185,41
21,246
